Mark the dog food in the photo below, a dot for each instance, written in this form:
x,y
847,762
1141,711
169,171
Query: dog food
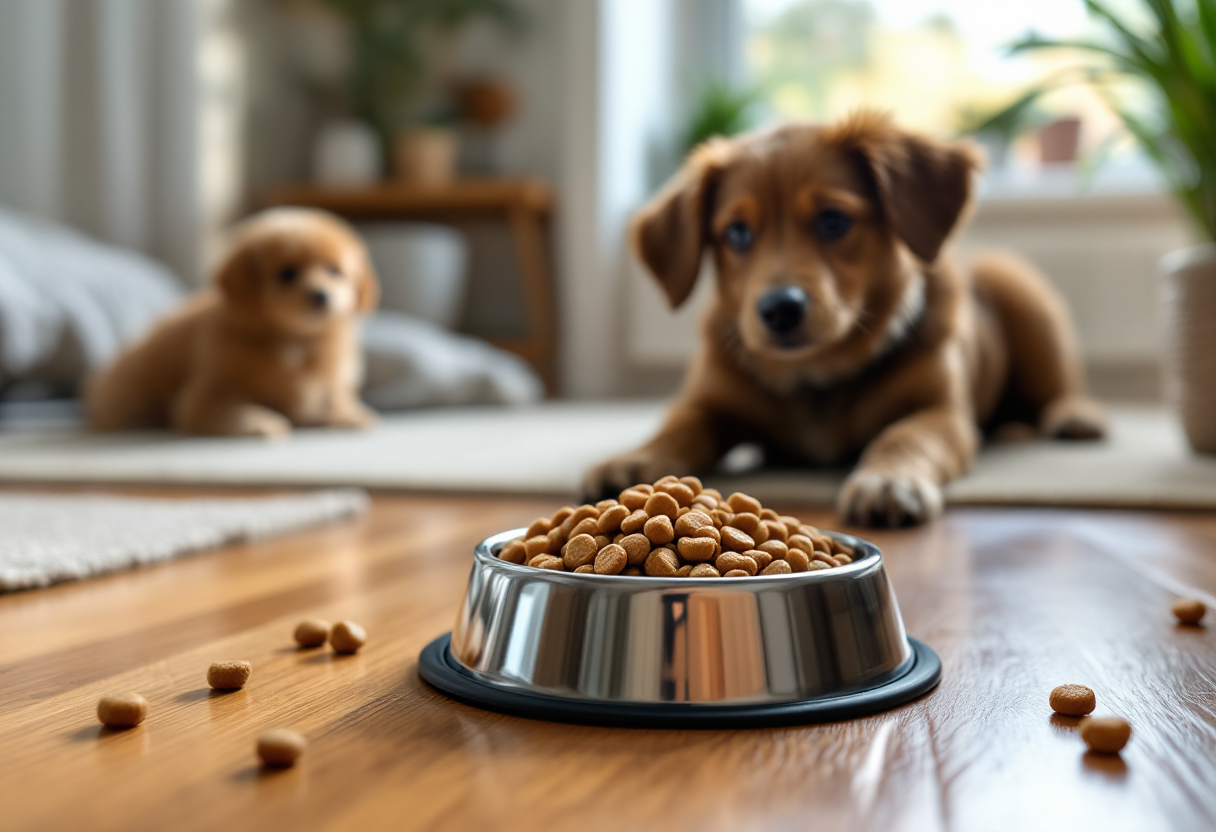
x,y
1073,700
122,710
1189,610
280,748
312,632
348,637
228,675
1105,734
675,528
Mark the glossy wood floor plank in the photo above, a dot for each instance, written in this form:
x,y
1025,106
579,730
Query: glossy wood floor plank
x,y
1015,602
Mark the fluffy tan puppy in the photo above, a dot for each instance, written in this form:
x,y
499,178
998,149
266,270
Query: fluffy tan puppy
x,y
274,344
841,332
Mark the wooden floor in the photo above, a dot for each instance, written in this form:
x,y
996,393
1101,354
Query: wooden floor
x,y
1015,602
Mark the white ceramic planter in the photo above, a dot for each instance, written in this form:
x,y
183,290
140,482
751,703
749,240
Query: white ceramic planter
x,y
422,269
1189,294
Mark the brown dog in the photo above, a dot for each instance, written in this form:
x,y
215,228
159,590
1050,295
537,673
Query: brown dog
x,y
839,330
275,346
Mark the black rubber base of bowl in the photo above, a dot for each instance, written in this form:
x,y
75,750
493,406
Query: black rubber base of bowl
x,y
438,669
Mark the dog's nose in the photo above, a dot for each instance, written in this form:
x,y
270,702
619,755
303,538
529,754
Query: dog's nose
x,y
318,299
782,309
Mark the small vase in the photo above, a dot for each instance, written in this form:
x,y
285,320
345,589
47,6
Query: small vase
x,y
426,155
346,153
1189,294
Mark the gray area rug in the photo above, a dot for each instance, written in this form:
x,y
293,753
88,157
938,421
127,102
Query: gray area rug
x,y
544,449
48,538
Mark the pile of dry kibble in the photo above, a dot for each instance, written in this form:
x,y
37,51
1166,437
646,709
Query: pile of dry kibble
x,y
675,528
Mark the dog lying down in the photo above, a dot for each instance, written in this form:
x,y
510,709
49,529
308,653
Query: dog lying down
x,y
275,344
841,330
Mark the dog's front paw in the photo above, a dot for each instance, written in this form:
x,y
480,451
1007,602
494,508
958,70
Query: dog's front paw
x,y
892,499
354,415
261,422
612,476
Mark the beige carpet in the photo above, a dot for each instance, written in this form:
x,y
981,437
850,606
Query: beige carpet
x,y
48,538
543,450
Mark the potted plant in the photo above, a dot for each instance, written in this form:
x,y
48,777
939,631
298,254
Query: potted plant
x,y
720,111
1171,57
390,43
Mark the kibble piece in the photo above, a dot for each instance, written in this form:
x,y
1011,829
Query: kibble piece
x,y
633,571
1189,610
633,499
348,637
732,562
534,546
801,541
660,503
637,547
704,570
634,522
761,534
122,710
682,493
230,675
557,539
611,560
746,522
604,505
711,532
684,570
665,478
602,540
760,556
1105,734
776,530
561,514
514,552
662,563
548,562
735,573
742,502
645,487
539,527
694,484
688,524
777,567
610,518
588,525
768,514
797,560
578,551
585,569
697,548
792,524
822,558
1073,700
723,517
775,548
843,559
736,540
658,530
705,501
280,748
579,514
313,632
816,566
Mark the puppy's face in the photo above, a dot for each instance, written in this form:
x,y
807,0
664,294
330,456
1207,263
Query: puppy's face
x,y
815,231
297,270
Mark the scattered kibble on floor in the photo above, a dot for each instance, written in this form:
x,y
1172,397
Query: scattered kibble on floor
x,y
122,710
1105,734
1189,610
347,637
279,747
1073,700
312,632
231,675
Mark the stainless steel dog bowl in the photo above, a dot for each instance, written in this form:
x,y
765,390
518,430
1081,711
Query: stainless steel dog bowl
x,y
803,647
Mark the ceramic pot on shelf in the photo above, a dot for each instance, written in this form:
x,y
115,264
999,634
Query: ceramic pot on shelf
x,y
425,155
1189,294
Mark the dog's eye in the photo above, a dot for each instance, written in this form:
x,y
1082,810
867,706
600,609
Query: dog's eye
x,y
832,224
333,270
738,236
288,274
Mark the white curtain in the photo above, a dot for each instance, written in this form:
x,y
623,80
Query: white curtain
x,y
100,119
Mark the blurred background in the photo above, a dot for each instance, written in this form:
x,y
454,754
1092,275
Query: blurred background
x,y
493,150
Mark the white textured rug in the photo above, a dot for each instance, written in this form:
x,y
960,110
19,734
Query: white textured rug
x,y
544,449
48,538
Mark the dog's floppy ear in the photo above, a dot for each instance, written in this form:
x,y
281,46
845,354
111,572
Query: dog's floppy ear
x,y
236,276
923,185
670,232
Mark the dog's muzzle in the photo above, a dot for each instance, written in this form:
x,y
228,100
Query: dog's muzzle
x,y
783,309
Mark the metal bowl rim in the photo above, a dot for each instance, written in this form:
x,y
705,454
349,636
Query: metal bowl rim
x,y
483,554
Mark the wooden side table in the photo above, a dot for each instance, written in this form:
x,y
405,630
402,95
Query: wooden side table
x,y
525,204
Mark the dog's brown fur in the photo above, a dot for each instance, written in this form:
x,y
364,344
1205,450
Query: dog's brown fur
x,y
255,355
902,356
